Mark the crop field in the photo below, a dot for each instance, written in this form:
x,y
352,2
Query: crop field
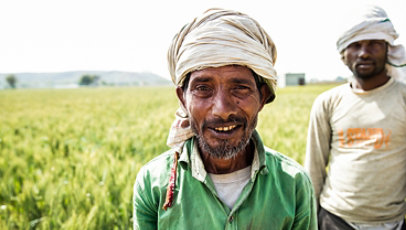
x,y
69,158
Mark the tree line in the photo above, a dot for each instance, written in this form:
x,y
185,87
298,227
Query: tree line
x,y
85,80
11,80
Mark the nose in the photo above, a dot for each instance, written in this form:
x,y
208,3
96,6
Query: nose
x,y
364,51
224,105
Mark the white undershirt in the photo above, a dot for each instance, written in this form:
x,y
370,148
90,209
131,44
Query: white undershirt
x,y
229,186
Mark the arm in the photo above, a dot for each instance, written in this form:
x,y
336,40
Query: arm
x,y
318,144
306,209
144,209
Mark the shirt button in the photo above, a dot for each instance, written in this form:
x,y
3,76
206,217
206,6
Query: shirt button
x,y
230,219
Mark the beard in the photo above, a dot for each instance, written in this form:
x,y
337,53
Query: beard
x,y
366,76
225,150
380,66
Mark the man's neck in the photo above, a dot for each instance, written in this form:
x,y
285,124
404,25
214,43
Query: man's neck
x,y
223,166
370,83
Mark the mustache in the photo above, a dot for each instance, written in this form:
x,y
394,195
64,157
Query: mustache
x,y
218,121
364,59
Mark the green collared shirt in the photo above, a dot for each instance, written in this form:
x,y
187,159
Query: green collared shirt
x,y
279,194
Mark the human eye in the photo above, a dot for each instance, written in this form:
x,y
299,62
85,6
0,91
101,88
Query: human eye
x,y
242,90
202,90
354,45
377,43
241,87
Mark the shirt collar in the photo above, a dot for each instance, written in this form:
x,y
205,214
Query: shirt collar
x,y
191,157
357,91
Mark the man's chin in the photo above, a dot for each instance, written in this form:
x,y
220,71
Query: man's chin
x,y
364,75
367,74
222,149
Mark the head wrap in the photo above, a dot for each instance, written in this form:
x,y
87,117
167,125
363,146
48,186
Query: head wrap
x,y
218,38
374,24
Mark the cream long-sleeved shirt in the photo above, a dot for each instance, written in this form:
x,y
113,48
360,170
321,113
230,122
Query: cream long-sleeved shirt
x,y
360,136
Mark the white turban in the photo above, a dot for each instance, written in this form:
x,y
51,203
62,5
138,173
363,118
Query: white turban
x,y
374,24
218,38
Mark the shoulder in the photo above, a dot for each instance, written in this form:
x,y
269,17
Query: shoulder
x,y
330,99
159,160
156,170
332,94
284,166
401,87
397,93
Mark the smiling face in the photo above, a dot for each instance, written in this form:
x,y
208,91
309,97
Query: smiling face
x,y
366,58
223,105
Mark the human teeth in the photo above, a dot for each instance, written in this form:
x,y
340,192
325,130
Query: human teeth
x,y
225,128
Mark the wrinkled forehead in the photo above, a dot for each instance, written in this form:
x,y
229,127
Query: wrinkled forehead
x,y
218,72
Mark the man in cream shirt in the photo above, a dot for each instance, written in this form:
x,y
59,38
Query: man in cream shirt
x,y
358,131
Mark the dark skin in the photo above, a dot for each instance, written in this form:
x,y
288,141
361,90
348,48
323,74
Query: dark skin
x,y
366,59
212,97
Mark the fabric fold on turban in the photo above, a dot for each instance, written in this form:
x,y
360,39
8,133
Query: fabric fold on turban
x,y
217,38
374,24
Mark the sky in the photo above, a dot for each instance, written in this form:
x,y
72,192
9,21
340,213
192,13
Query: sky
x,y
134,35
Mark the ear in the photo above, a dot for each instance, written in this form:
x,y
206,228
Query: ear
x,y
342,57
266,94
181,97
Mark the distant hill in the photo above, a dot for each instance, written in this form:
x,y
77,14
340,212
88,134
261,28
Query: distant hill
x,y
71,79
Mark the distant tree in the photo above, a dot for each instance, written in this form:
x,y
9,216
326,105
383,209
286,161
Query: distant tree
x,y
11,80
85,80
340,79
89,79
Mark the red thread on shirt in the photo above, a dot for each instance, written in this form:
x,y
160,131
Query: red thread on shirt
x,y
171,184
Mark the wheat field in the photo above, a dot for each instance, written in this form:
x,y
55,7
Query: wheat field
x,y
69,158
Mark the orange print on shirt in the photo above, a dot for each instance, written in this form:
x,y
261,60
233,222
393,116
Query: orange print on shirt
x,y
356,136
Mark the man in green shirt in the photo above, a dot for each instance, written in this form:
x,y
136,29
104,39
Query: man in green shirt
x,y
218,174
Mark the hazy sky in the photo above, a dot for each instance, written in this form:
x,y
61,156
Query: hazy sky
x,y
133,35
